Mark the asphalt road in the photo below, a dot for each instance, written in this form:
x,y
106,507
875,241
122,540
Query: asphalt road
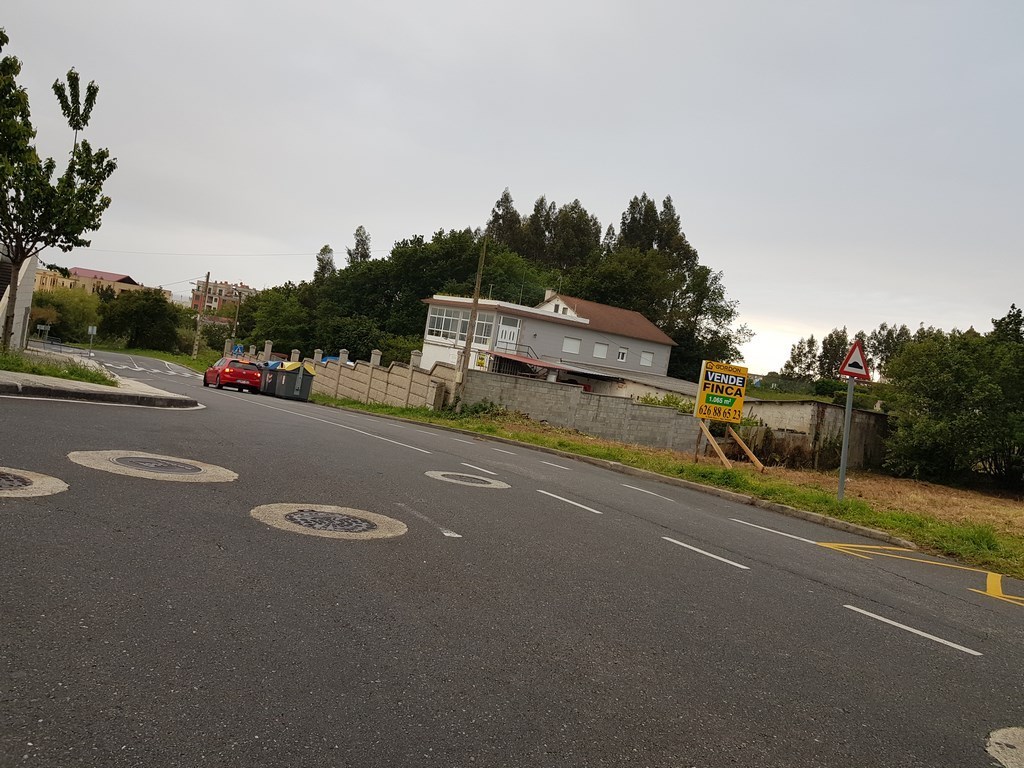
x,y
576,617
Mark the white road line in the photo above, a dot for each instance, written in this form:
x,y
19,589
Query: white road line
x,y
426,433
568,469
479,469
911,629
460,440
708,554
325,421
570,501
666,498
502,450
446,531
772,530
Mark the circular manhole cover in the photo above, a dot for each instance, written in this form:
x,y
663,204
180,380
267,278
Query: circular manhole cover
x,y
153,466
329,521
10,481
157,465
20,483
460,478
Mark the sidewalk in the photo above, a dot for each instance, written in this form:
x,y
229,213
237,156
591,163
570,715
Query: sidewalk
x,y
127,392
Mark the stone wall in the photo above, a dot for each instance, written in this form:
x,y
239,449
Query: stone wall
x,y
396,384
567,405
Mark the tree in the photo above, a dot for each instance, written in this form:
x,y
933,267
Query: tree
x,y
640,227
36,210
803,360
75,311
538,231
505,227
76,112
361,252
145,319
834,346
324,264
884,343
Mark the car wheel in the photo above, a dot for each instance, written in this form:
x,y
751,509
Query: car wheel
x,y
205,382
219,385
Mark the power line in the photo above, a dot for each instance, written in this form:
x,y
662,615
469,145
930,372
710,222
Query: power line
x,y
216,255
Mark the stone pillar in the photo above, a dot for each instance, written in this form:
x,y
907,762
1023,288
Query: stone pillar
x,y
318,355
228,344
342,370
252,350
268,347
415,358
296,356
375,357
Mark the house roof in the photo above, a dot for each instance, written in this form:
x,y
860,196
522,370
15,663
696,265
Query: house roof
x,y
609,319
97,274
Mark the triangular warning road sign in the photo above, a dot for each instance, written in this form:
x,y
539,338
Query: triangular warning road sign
x,y
855,365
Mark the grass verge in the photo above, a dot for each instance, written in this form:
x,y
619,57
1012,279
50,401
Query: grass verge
x,y
978,544
59,369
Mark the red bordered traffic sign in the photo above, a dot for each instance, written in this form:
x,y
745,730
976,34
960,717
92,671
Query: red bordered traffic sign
x,y
855,365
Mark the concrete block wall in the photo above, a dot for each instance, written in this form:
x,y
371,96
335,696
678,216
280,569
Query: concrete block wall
x,y
567,405
397,384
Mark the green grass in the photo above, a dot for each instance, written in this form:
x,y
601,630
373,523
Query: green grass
x,y
60,369
974,544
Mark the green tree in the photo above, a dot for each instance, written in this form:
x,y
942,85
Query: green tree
x,y
76,112
884,343
325,267
505,227
76,310
958,400
38,211
360,252
803,360
282,319
834,346
144,319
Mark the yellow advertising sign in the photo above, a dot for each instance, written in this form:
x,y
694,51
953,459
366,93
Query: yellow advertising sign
x,y
720,392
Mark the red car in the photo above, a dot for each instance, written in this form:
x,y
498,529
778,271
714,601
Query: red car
x,y
231,372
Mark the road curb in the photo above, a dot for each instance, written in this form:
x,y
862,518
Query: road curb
x,y
624,469
114,397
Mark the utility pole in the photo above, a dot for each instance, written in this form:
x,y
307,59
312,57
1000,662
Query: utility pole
x,y
467,349
238,305
199,316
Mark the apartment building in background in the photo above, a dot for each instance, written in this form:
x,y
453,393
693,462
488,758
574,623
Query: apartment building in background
x,y
218,295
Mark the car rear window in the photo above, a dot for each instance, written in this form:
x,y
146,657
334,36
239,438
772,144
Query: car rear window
x,y
242,366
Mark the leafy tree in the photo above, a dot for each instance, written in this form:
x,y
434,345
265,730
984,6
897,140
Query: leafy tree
x,y
144,319
75,311
538,231
641,227
76,112
505,227
884,343
399,349
361,251
325,267
1009,328
834,346
803,360
358,334
36,210
280,317
575,237
959,405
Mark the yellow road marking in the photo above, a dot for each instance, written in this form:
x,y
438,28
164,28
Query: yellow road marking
x,y
993,581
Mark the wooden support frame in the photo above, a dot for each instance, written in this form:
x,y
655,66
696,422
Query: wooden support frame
x,y
714,444
746,449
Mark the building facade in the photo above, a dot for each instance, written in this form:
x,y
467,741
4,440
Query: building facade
x,y
89,280
571,335
219,295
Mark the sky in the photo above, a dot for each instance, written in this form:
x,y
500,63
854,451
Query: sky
x,y
842,163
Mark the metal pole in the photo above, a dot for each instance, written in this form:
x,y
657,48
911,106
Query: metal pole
x,y
238,305
199,317
846,438
467,350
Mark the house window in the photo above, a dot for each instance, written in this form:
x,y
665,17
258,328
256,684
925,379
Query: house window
x,y
447,323
647,358
570,345
622,354
556,307
565,310
600,350
484,328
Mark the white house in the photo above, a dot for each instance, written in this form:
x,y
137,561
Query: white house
x,y
564,337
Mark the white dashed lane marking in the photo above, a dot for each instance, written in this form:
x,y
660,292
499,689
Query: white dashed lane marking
x,y
918,632
570,501
559,466
652,493
707,554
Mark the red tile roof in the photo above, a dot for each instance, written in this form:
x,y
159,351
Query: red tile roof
x,y
96,274
624,322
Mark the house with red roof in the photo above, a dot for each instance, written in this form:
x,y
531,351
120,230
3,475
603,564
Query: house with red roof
x,y
563,338
88,280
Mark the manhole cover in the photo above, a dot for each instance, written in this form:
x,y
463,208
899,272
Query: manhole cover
x,y
460,478
157,465
20,483
330,521
9,481
153,466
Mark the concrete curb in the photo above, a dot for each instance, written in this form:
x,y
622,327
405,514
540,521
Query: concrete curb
x,y
739,498
114,396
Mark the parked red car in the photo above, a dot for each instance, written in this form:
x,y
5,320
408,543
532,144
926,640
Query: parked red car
x,y
231,372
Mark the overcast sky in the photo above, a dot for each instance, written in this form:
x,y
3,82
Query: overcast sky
x,y
842,163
